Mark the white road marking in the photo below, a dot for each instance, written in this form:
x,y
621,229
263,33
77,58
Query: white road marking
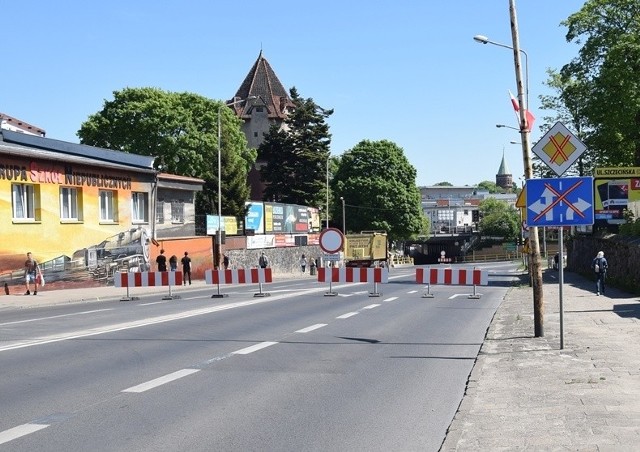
x,y
152,302
391,299
347,315
412,291
456,295
253,348
20,430
55,316
371,306
311,328
161,380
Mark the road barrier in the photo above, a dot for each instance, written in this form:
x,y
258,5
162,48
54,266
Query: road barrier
x,y
239,276
147,279
452,276
354,275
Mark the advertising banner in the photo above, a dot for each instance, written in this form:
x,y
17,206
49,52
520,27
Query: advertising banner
x,y
615,189
255,217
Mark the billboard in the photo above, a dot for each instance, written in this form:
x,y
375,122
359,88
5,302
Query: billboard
x,y
286,218
614,190
255,217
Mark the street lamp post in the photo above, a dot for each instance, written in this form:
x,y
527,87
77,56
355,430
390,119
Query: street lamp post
x,y
219,231
344,222
534,243
327,211
508,127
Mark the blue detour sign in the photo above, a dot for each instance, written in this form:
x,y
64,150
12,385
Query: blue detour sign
x,y
564,201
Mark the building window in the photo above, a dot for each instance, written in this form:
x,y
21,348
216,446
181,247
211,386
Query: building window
x,y
177,212
160,212
259,109
24,201
108,200
255,134
69,206
140,207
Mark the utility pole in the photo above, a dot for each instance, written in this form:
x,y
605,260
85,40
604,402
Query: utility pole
x,y
535,267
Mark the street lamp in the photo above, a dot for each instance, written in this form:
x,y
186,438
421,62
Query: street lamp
x,y
327,212
344,229
219,232
484,40
499,126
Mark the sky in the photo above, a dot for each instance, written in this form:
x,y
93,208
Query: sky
x,y
407,71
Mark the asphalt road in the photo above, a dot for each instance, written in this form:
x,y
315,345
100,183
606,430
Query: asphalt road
x,y
296,370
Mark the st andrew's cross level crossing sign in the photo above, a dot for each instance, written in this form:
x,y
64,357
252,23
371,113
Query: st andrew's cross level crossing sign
x,y
566,201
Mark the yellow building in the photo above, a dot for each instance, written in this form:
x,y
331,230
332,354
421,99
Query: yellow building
x,y
84,212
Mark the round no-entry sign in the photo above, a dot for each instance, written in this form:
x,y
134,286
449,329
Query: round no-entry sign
x,y
331,240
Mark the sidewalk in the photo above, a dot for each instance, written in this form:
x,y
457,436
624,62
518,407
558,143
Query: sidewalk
x,y
524,393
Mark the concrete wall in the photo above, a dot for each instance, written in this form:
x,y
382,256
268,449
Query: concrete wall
x,y
622,253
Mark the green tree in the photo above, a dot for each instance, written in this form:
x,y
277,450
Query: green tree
x,y
378,185
489,186
443,184
297,155
499,219
181,130
606,76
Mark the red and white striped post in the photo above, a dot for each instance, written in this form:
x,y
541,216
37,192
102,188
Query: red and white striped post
x,y
239,276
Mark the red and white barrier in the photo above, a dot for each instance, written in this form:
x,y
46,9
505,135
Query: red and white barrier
x,y
147,279
354,275
452,276
239,276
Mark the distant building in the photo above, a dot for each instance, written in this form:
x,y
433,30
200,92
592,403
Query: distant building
x,y
270,106
504,178
16,125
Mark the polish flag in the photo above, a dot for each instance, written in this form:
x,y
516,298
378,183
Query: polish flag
x,y
528,115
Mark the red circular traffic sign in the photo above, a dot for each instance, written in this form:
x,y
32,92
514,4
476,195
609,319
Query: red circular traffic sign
x,y
331,240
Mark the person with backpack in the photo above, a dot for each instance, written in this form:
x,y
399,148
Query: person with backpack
x,y
600,266
262,261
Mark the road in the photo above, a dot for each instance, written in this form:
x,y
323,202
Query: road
x,y
296,370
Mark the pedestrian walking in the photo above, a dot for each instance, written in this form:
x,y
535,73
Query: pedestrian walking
x,y
186,268
173,263
32,274
161,262
600,266
303,263
263,262
225,261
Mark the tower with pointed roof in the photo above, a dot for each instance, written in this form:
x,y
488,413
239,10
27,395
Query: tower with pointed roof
x,y
269,104
504,178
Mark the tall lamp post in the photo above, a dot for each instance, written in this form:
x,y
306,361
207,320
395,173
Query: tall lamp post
x,y
344,220
534,243
219,231
327,212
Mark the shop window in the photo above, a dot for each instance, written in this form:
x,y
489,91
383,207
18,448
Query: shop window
x,y
70,203
24,198
140,207
160,212
108,205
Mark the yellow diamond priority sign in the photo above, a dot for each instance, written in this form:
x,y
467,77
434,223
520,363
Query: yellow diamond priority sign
x,y
559,148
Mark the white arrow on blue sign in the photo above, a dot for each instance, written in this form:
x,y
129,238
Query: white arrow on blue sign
x,y
566,201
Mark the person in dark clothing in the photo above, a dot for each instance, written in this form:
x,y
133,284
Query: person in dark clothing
x,y
161,262
263,262
225,261
173,263
186,268
600,266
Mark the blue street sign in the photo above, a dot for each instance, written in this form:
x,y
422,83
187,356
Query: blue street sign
x,y
566,201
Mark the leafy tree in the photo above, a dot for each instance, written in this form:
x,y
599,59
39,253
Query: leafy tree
x,y
443,184
297,154
489,186
606,78
378,185
181,130
499,219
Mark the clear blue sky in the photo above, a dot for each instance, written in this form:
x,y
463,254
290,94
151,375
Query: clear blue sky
x,y
406,71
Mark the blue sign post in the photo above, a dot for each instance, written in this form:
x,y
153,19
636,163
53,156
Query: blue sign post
x,y
564,201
